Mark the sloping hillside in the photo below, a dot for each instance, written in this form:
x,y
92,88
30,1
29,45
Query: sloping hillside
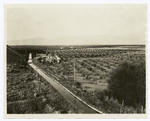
x,y
29,93
14,57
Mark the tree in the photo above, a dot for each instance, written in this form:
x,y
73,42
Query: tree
x,y
127,83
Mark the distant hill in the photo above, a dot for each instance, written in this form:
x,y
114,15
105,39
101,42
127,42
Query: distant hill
x,y
138,38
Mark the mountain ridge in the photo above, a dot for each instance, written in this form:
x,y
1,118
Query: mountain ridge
x,y
83,40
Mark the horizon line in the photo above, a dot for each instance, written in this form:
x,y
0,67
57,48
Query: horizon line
x,y
81,45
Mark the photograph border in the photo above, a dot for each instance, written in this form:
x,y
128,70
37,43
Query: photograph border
x,y
70,116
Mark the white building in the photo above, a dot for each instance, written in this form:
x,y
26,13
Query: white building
x,y
49,58
30,58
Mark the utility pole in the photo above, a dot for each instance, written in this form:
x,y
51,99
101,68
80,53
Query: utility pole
x,y
74,72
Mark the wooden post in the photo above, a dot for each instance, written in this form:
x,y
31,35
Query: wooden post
x,y
121,106
123,103
74,72
120,109
141,109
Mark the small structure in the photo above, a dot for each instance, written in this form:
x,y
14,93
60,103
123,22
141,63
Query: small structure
x,y
57,58
41,55
71,48
30,58
48,58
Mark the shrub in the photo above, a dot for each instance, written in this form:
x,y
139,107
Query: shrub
x,y
127,82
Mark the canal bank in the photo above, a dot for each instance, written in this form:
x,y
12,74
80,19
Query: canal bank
x,y
69,96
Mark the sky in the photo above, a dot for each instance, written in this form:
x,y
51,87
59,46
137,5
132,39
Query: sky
x,y
103,22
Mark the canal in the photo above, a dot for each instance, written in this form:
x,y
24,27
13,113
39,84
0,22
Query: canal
x,y
69,96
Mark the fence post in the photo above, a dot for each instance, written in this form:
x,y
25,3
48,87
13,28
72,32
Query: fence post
x,y
141,109
123,103
121,106
120,109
